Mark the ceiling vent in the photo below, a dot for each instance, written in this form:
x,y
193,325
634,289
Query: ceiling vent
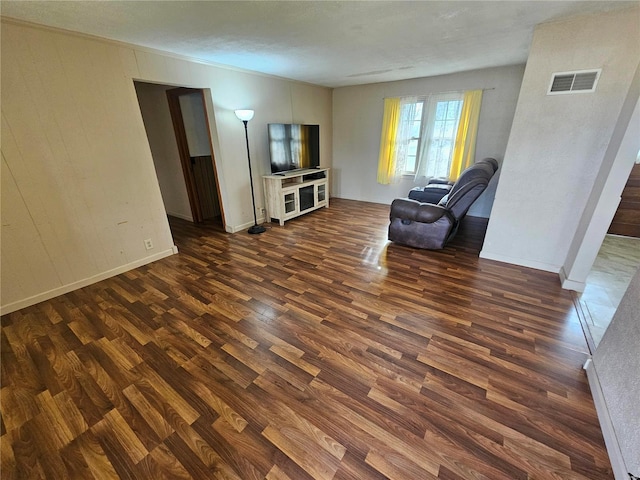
x,y
583,81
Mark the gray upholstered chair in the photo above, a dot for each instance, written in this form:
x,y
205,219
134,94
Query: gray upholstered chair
x,y
427,225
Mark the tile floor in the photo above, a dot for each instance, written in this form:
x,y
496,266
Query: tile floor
x,y
615,265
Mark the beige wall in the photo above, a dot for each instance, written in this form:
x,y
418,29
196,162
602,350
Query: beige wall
x,y
558,142
357,123
79,190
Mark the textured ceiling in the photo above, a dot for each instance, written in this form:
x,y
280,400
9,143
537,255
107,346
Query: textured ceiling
x,y
331,43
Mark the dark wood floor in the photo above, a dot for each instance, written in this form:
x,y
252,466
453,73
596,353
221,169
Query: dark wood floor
x,y
313,351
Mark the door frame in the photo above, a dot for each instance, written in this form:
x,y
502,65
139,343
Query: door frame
x,y
173,97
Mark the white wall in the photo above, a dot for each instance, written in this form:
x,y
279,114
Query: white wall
x,y
357,123
164,148
79,190
558,142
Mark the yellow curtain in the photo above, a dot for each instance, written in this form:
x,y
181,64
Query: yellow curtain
x,y
465,147
390,124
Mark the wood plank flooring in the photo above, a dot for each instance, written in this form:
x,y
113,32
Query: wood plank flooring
x,y
313,351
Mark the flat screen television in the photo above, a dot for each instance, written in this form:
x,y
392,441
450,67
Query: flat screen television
x,y
293,146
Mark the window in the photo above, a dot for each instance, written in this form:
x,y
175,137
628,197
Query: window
x,y
439,135
434,143
428,136
413,113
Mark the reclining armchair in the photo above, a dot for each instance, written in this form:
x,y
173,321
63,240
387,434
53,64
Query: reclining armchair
x,y
428,225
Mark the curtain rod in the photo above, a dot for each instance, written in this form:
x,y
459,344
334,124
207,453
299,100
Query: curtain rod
x,y
439,93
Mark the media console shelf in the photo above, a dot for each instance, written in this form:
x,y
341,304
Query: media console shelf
x,y
291,194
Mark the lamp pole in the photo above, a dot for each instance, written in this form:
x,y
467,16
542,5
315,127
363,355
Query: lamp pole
x,y
245,116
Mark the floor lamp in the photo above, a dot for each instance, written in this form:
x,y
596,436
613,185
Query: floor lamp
x,y
245,116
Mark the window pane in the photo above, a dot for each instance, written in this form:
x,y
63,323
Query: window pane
x,y
410,166
415,130
408,135
442,139
453,111
438,130
413,148
418,110
449,130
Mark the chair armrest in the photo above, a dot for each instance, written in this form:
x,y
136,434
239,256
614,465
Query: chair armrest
x,y
414,211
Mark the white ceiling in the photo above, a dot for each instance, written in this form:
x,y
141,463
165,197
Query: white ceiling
x,y
331,43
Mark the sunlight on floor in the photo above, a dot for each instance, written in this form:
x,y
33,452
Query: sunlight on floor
x,y
615,265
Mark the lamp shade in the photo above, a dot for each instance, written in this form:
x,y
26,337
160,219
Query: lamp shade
x,y
244,115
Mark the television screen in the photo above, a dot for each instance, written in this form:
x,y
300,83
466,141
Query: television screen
x,y
293,146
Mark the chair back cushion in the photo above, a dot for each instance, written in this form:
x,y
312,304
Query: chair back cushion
x,y
471,183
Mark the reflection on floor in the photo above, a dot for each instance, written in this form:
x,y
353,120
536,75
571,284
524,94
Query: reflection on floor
x,y
617,262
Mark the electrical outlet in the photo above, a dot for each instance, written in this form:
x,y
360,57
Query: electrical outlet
x,y
261,211
148,244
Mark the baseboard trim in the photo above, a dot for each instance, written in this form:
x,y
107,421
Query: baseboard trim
x,y
244,226
188,218
606,425
41,297
520,261
568,284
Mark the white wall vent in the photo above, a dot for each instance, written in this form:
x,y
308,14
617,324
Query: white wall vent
x,y
582,81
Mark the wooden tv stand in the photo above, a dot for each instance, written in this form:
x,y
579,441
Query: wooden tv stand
x,y
292,194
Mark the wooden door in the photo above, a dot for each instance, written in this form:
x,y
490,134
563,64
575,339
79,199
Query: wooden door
x,y
626,221
206,186
200,178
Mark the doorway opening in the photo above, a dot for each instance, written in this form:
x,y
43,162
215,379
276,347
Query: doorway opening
x,y
177,126
616,263
616,171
